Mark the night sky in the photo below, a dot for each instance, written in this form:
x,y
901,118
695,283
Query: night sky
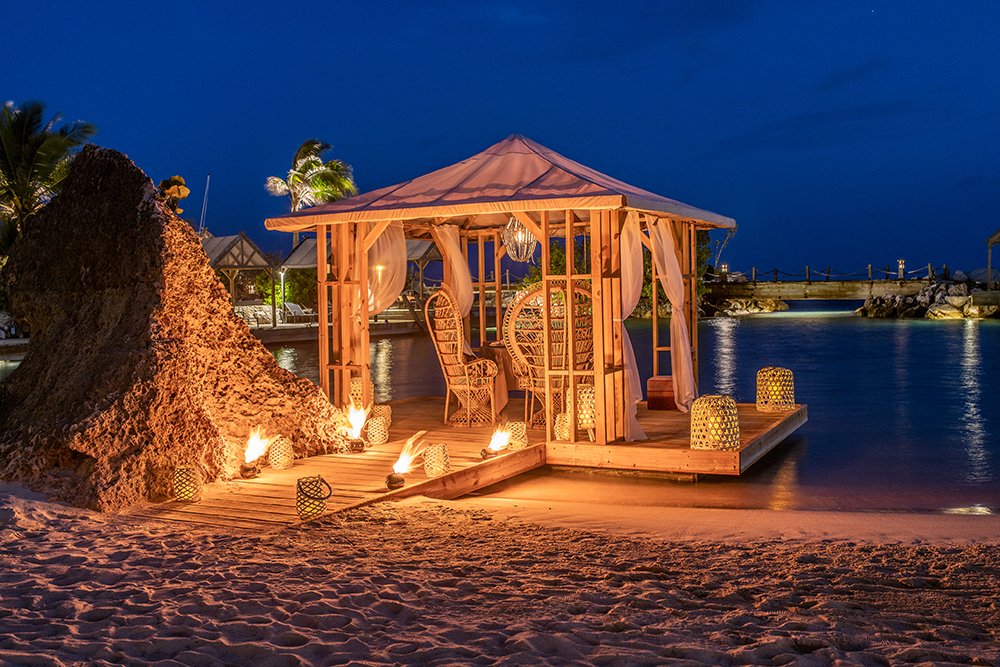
x,y
835,133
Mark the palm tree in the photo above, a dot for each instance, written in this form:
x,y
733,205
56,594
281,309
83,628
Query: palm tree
x,y
34,160
312,181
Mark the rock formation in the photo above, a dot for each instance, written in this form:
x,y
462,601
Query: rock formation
x,y
742,306
946,300
137,363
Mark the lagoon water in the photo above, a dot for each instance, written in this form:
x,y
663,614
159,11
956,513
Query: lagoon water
x,y
903,415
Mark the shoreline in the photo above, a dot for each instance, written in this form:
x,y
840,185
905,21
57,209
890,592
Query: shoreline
x,y
427,582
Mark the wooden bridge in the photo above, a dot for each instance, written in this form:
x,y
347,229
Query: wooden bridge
x,y
812,284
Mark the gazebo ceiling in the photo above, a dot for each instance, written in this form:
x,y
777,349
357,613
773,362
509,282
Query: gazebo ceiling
x,y
515,175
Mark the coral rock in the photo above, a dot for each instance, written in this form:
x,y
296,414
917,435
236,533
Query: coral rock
x,y
137,363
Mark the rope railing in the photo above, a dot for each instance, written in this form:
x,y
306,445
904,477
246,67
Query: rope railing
x,y
871,272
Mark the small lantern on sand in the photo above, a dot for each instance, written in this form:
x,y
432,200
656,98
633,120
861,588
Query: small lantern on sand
x,y
775,389
437,462
378,430
311,494
518,434
715,423
280,454
187,484
382,410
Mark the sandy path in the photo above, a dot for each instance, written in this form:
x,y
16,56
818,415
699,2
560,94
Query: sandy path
x,y
433,583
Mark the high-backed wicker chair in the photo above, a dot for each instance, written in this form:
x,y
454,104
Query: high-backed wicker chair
x,y
524,337
470,380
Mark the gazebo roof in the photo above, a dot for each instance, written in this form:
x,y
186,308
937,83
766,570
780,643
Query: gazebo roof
x,y
514,175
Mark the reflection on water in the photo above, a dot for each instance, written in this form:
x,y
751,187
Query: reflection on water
x,y
972,418
6,368
900,415
724,329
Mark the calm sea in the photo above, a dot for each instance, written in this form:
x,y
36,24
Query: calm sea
x,y
903,415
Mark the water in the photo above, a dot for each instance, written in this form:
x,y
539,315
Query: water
x,y
902,414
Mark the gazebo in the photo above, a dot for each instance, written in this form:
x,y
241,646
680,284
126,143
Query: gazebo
x,y
516,183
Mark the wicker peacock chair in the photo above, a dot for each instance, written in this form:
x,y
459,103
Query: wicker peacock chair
x,y
471,381
524,336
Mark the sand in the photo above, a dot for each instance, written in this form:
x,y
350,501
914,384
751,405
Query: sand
x,y
443,583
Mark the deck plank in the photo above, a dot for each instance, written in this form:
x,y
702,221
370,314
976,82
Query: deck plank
x,y
267,502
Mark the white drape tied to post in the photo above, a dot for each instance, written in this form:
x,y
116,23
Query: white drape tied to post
x,y
631,249
661,232
459,277
386,268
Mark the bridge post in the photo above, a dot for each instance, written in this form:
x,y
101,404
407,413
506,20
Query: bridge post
x,y
901,271
828,274
776,275
807,274
869,273
753,273
930,272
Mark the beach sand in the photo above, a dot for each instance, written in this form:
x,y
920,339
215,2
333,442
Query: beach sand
x,y
484,582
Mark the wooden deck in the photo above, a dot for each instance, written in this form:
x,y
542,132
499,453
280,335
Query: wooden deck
x,y
268,501
668,450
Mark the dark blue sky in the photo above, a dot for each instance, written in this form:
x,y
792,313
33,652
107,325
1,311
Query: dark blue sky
x,y
835,133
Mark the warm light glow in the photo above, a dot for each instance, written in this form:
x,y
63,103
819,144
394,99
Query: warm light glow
x,y
356,416
256,445
500,440
413,448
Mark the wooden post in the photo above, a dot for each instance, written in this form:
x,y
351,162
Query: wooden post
x,y
869,273
807,274
776,275
930,274
827,274
753,273
323,308
467,320
498,252
598,262
481,284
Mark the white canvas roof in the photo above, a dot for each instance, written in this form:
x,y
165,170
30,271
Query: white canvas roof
x,y
514,175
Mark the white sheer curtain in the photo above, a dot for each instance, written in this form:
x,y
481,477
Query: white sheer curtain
x,y
661,232
459,277
386,268
631,248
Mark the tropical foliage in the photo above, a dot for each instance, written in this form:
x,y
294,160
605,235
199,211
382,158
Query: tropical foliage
x,y
300,287
34,160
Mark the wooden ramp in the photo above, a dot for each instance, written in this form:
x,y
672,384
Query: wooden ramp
x,y
268,501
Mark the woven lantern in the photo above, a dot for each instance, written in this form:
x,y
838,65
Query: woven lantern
x,y
357,391
518,434
562,426
311,494
715,424
280,454
586,415
437,462
382,410
775,389
378,431
187,484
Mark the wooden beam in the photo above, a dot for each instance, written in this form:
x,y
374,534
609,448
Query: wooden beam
x,y
375,232
532,226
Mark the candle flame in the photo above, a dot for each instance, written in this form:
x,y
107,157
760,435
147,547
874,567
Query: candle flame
x,y
356,416
500,440
256,445
413,448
